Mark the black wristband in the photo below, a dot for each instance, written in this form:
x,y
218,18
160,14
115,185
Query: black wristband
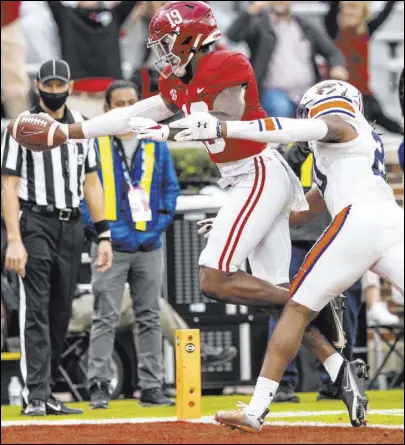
x,y
101,227
104,238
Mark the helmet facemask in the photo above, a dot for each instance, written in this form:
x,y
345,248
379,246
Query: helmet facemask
x,y
163,49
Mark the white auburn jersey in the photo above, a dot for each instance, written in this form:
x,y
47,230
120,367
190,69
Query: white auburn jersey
x,y
352,172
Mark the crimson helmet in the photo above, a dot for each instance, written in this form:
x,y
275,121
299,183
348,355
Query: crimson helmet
x,y
177,31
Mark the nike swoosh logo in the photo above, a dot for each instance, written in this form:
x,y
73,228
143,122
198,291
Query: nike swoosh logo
x,y
200,90
348,385
341,342
54,407
29,133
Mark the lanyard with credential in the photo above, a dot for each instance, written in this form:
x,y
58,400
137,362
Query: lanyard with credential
x,y
137,197
125,167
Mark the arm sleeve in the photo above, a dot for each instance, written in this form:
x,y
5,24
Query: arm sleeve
x,y
92,161
378,21
331,20
123,10
11,156
117,121
278,130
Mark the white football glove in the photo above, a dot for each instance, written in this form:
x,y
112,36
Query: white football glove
x,y
149,129
198,127
205,227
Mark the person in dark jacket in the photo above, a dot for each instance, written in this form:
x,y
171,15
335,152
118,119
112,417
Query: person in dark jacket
x,y
283,49
89,36
348,23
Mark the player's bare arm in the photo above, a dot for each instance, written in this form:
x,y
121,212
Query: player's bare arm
x,y
230,104
339,131
317,207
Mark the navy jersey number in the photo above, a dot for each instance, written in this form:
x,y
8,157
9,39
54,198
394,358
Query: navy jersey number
x,y
320,179
379,158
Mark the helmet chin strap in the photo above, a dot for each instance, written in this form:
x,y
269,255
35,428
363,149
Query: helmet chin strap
x,y
181,71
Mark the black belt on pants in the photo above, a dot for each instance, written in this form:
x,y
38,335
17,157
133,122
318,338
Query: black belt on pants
x,y
50,210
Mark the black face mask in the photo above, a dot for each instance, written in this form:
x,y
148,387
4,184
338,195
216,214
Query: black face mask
x,y
54,101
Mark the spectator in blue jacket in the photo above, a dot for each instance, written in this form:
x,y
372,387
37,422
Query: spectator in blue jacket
x,y
141,191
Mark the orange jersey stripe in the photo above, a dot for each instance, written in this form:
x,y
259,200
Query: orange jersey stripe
x,y
270,125
332,105
318,250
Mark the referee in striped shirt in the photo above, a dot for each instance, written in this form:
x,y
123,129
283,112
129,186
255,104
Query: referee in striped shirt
x,y
41,197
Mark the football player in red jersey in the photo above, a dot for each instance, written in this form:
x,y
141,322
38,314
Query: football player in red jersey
x,y
254,223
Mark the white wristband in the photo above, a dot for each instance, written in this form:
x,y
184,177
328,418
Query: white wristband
x,y
106,234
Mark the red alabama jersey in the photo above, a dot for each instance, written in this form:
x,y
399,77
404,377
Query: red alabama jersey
x,y
218,71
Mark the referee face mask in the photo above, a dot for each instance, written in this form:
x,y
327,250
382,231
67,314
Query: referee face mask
x,y
53,101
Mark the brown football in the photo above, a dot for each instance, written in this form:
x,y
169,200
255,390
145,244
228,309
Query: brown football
x,y
37,132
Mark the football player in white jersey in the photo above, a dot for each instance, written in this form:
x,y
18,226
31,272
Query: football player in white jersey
x,y
367,232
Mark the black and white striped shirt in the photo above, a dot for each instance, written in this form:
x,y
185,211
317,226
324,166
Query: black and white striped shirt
x,y
54,177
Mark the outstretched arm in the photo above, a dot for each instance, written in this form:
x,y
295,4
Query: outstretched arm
x,y
330,129
118,121
204,126
229,105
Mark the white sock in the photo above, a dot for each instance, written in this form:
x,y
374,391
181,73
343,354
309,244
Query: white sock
x,y
262,396
333,366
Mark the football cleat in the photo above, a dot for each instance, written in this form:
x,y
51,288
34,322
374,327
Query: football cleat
x,y
36,408
352,379
241,420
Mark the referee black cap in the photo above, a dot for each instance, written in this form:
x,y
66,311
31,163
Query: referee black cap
x,y
54,69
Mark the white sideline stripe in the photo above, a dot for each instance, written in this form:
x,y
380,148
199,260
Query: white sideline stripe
x,y
286,415
334,425
203,420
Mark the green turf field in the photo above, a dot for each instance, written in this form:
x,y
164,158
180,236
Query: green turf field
x,y
387,409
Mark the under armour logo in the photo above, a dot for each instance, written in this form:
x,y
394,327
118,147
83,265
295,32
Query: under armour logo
x,y
173,94
202,125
